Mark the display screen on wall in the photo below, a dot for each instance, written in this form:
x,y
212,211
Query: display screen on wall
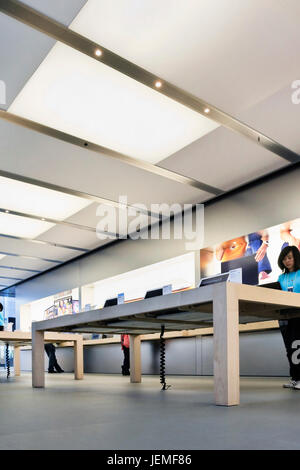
x,y
50,312
256,253
63,306
75,306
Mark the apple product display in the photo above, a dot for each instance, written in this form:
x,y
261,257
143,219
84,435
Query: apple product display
x,y
50,312
63,306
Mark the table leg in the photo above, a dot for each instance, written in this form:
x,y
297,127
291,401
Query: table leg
x,y
17,367
226,345
38,362
135,359
78,359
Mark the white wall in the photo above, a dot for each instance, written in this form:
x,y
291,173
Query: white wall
x,y
178,271
262,206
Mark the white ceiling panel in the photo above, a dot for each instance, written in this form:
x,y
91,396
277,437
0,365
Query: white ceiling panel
x,y
110,109
34,200
224,159
231,53
17,273
11,275
75,237
22,226
35,249
278,116
28,263
16,64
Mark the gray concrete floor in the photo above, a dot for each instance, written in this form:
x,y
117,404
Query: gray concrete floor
x,y
107,412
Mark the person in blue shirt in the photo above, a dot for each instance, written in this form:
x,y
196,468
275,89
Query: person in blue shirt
x,y
289,263
1,318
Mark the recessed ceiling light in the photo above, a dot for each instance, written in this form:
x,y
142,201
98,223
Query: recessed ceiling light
x,y
207,110
98,52
7,212
158,84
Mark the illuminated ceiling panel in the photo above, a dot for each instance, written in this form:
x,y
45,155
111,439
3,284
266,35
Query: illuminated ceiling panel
x,y
78,95
21,226
34,200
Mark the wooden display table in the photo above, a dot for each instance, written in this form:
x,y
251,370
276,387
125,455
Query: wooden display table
x,y
22,338
222,306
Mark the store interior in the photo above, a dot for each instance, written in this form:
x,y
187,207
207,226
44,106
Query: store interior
x,y
146,147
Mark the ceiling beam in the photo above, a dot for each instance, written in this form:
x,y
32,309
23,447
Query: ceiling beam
x,y
3,266
62,189
61,33
48,219
11,278
7,253
85,144
42,242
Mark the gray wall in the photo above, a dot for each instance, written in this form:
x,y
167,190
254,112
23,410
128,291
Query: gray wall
x,y
261,353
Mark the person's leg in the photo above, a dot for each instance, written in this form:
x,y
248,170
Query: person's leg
x,y
126,364
285,333
57,366
54,359
51,362
48,349
124,360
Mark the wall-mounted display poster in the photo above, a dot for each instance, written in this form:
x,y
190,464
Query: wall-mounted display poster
x,y
75,308
49,313
256,253
63,306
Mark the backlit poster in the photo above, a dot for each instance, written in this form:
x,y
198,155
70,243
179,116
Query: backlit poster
x,y
256,253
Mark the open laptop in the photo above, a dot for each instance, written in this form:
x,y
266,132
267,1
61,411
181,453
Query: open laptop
x,y
111,302
234,275
271,285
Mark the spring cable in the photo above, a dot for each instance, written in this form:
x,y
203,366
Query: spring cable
x,y
7,361
163,360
